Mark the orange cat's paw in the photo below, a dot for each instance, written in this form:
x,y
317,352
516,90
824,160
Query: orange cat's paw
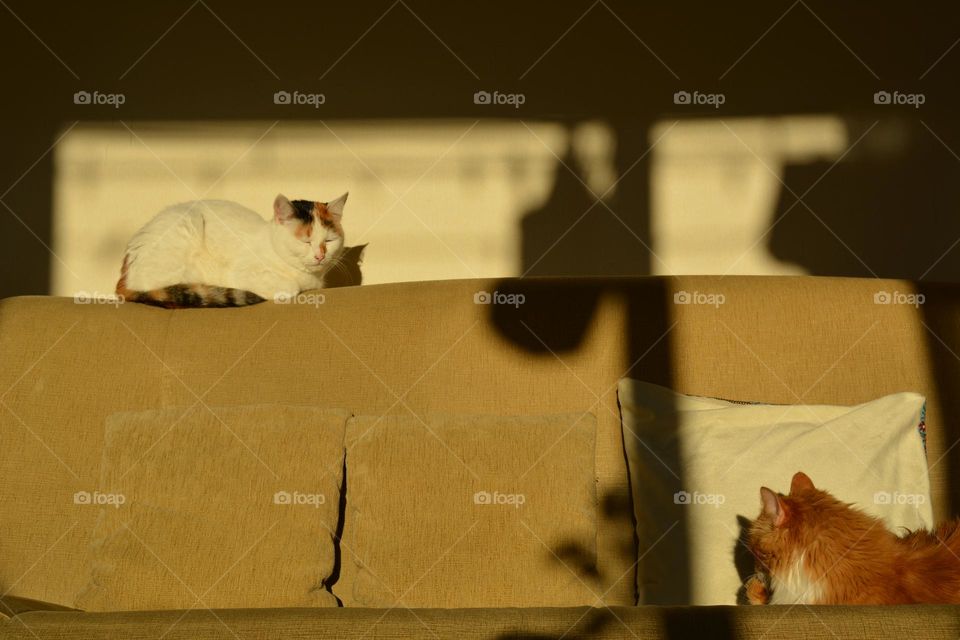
x,y
757,591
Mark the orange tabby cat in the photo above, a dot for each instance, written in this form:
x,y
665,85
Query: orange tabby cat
x,y
813,549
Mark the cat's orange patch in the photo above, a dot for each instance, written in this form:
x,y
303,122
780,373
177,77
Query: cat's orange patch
x,y
321,213
757,591
122,289
303,231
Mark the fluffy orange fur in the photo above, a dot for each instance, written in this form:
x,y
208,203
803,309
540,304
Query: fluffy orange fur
x,y
845,556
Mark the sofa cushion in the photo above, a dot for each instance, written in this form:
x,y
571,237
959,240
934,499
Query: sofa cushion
x,y
216,508
471,511
701,462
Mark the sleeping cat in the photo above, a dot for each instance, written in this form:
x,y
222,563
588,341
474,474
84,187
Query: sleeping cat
x,y
813,549
215,253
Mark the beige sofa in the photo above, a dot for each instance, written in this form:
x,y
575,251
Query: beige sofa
x,y
431,347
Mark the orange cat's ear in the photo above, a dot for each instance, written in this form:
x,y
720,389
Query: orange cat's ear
x,y
773,506
800,482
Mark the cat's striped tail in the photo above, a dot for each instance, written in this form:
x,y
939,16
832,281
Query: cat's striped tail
x,y
181,296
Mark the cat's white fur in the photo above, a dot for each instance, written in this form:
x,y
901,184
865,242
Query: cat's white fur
x,y
794,586
222,243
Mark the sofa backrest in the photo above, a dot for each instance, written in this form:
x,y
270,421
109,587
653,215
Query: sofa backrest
x,y
538,346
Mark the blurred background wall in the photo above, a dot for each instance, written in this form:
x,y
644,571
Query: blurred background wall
x,y
491,140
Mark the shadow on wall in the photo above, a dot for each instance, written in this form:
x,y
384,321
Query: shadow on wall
x,y
347,270
577,232
890,208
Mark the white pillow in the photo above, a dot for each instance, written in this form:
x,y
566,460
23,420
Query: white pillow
x,y
696,464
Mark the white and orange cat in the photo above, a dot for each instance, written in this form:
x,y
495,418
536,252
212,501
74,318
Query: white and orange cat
x,y
811,548
215,253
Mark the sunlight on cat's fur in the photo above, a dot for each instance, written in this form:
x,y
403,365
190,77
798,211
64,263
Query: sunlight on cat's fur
x,y
216,253
811,548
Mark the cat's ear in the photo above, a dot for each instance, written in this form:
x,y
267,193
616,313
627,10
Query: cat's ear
x,y
335,207
282,209
773,506
800,482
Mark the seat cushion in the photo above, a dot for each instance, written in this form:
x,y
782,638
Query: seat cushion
x,y
216,508
471,511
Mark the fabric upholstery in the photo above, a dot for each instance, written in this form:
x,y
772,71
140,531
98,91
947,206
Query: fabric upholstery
x,y
509,502
210,506
428,347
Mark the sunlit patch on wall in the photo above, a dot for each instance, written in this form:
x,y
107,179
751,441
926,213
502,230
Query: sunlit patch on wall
x,y
435,200
715,186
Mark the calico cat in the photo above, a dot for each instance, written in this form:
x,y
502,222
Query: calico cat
x,y
215,253
811,548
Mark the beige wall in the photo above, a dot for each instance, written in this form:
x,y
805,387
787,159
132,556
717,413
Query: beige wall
x,y
434,200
